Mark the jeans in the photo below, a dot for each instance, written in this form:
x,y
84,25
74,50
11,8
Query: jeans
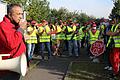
x,y
75,47
42,47
107,57
79,46
72,45
30,50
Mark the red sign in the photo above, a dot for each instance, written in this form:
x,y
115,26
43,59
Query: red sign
x,y
97,48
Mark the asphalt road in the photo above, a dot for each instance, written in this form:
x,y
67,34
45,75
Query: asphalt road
x,y
53,69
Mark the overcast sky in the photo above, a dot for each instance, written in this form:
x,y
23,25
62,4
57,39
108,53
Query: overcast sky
x,y
97,8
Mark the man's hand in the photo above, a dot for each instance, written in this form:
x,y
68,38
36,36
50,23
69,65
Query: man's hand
x,y
118,30
23,24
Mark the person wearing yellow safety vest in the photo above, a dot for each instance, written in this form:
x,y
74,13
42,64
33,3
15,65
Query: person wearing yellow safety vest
x,y
72,39
31,32
60,36
80,36
94,35
53,38
115,53
86,31
44,38
106,55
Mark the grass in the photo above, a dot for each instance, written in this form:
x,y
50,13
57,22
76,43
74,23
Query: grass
x,y
86,71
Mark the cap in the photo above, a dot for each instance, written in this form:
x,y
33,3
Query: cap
x,y
94,25
39,25
43,21
33,22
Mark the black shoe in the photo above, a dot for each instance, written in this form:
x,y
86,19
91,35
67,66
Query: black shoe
x,y
76,56
49,57
114,77
42,57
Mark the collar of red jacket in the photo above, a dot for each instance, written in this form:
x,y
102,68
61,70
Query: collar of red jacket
x,y
7,20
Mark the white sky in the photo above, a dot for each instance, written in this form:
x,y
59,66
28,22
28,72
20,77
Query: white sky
x,y
97,8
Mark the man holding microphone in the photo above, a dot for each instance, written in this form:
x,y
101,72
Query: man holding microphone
x,y
11,32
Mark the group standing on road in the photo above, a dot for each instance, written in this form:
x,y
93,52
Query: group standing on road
x,y
72,36
57,37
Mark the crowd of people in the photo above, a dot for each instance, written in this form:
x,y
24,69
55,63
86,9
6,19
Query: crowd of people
x,y
72,36
57,37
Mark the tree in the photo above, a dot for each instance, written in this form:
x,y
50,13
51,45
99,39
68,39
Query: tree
x,y
38,10
115,13
22,2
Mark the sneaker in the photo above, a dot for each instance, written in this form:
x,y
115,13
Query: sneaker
x,y
91,57
95,60
106,68
49,57
110,68
42,57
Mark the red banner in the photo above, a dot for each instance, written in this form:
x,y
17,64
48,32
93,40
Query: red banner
x,y
97,48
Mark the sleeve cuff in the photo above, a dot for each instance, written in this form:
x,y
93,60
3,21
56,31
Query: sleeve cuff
x,y
20,30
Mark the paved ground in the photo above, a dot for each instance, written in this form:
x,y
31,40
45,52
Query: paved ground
x,y
54,69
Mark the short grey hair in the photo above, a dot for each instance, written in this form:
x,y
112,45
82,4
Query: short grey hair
x,y
10,6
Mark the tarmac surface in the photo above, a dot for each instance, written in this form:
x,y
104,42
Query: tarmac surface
x,y
53,69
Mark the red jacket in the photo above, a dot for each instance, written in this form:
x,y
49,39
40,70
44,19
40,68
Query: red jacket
x,y
11,40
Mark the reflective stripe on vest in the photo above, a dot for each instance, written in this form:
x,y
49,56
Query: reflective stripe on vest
x,y
116,38
44,37
94,37
69,35
75,36
32,37
81,34
110,36
60,35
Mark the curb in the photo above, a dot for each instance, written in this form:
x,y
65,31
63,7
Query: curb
x,y
68,71
30,68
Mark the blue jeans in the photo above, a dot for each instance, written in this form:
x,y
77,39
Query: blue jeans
x,y
42,47
72,45
79,46
75,47
30,50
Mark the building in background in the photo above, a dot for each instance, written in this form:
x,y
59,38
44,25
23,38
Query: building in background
x,y
3,10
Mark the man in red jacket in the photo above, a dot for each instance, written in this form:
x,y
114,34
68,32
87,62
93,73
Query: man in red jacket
x,y
11,32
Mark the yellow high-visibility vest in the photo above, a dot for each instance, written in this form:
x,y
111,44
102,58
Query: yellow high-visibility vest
x,y
93,37
33,36
45,37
